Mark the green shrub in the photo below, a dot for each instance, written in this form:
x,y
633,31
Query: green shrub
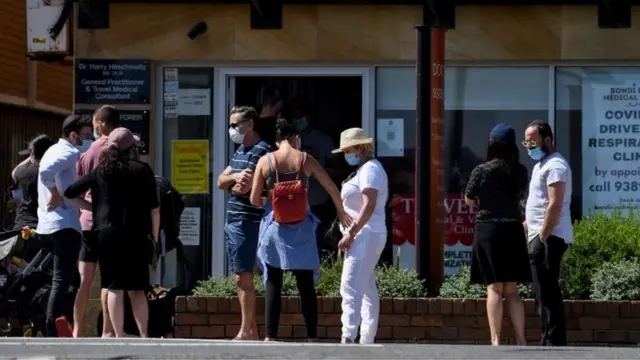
x,y
225,286
396,283
392,282
459,287
598,239
618,280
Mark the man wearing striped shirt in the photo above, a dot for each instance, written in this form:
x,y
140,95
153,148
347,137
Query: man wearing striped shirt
x,y
243,219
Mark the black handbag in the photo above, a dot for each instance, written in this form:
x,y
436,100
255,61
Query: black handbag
x,y
333,236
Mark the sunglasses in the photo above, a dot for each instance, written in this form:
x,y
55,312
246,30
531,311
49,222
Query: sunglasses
x,y
237,125
530,144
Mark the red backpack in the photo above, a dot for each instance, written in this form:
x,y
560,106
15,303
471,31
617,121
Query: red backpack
x,y
289,198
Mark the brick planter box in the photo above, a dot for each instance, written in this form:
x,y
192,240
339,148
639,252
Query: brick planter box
x,y
433,320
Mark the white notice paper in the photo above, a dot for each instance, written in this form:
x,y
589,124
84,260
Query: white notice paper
x,y
390,138
190,226
194,102
171,74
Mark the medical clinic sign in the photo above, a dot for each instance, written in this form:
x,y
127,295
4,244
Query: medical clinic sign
x,y
610,146
459,229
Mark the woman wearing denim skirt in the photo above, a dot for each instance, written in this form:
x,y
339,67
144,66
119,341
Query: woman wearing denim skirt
x,y
290,246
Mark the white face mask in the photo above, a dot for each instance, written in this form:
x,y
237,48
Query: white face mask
x,y
236,136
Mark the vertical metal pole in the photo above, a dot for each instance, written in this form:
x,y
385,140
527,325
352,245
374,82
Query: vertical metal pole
x,y
423,149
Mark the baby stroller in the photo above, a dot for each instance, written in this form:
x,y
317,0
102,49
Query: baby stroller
x,y
25,283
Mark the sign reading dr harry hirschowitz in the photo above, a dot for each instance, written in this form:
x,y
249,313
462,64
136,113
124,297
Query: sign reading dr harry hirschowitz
x,y
112,81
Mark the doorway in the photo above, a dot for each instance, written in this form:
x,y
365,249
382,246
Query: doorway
x,y
333,102
337,99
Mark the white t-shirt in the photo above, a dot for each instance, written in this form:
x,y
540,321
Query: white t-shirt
x,y
371,175
551,170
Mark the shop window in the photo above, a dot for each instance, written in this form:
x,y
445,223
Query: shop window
x,y
476,99
187,115
596,129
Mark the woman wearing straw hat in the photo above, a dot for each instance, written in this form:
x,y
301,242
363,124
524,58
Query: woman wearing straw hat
x,y
364,196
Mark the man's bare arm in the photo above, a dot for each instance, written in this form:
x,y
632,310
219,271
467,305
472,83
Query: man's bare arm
x,y
226,179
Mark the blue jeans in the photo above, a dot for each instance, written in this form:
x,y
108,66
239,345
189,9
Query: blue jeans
x,y
241,238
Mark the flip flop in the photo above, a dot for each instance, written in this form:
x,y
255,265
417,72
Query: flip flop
x,y
63,327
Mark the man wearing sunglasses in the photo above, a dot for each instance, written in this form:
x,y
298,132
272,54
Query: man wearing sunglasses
x,y
549,229
243,219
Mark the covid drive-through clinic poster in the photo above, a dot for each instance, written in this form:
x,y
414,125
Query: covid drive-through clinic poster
x,y
610,146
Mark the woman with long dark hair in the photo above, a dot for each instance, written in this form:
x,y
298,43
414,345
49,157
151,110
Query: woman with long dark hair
x,y
125,213
500,257
287,239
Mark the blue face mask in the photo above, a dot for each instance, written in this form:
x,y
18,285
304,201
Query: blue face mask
x,y
301,124
96,135
86,144
536,153
352,159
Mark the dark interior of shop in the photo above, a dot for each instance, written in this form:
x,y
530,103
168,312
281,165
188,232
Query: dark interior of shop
x,y
335,102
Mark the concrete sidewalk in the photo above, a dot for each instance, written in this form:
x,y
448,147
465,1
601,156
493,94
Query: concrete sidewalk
x,y
94,348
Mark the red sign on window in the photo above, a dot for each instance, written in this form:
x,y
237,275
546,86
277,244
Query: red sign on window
x,y
460,221
404,222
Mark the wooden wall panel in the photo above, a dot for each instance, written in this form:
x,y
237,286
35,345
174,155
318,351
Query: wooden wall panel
x,y
356,33
13,77
54,84
17,127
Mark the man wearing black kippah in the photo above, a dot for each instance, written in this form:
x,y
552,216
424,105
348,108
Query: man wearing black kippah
x,y
59,220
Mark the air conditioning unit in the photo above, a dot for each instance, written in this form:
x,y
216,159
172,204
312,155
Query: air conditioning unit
x,y
48,29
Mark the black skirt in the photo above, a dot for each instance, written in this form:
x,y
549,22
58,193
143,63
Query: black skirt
x,y
500,254
123,259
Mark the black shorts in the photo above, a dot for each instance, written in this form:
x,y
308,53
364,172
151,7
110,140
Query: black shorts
x,y
89,247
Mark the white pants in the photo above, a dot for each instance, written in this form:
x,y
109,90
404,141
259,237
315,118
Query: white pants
x,y
360,300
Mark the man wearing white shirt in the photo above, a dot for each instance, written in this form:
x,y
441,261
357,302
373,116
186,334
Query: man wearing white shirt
x,y
549,228
58,220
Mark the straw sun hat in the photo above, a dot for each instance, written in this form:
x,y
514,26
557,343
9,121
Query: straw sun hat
x,y
352,137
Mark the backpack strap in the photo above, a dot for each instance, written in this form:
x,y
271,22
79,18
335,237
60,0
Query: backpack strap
x,y
303,158
275,165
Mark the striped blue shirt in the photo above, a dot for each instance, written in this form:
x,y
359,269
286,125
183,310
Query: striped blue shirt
x,y
239,207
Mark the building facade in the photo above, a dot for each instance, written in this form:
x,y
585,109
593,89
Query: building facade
x,y
34,96
509,64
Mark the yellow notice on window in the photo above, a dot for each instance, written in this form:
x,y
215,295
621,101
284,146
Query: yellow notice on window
x,y
190,166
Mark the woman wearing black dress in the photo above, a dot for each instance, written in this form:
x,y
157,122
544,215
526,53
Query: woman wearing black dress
x,y
500,257
125,212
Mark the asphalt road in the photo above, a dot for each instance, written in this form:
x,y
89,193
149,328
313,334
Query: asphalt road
x,y
34,348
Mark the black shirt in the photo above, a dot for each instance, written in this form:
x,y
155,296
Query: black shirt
x,y
266,128
27,181
499,192
120,200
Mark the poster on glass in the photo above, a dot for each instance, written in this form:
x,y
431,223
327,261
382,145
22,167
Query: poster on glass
x,y
610,146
